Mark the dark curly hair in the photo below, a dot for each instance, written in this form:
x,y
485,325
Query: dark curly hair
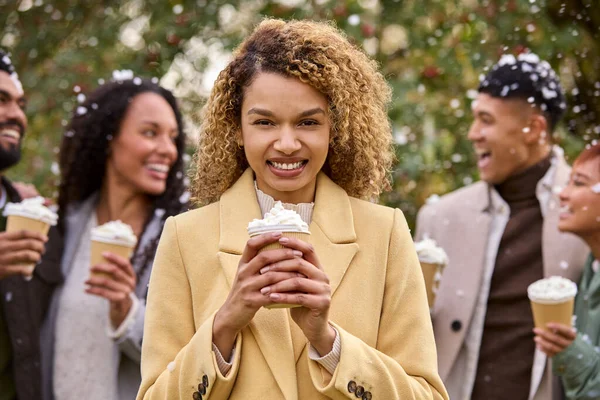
x,y
86,142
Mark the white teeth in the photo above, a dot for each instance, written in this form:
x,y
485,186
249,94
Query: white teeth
x,y
11,132
565,209
158,167
287,166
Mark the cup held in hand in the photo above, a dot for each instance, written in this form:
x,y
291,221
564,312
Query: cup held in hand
x,y
561,313
432,275
552,300
29,215
98,247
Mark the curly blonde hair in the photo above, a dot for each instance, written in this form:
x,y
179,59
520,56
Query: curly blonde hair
x,y
360,152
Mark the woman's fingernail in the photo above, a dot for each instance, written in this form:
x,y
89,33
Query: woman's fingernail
x,y
275,296
264,270
284,240
265,290
297,253
276,234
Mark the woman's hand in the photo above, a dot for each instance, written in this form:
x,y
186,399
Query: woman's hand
x,y
245,298
558,338
310,289
115,281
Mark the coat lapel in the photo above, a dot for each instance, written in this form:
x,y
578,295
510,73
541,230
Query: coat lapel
x,y
332,236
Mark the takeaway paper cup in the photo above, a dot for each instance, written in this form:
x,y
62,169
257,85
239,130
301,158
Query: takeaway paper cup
x,y
29,215
552,300
114,237
279,219
433,260
432,273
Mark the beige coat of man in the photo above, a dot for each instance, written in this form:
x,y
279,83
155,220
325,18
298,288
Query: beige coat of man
x,y
468,224
378,307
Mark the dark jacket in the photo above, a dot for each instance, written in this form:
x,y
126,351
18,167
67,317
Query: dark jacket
x,y
24,306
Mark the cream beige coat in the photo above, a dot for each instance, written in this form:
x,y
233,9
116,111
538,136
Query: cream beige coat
x,y
468,224
378,306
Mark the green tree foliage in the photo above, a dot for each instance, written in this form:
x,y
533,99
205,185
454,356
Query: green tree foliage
x,y
431,51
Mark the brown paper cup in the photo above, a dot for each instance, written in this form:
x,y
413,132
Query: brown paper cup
x,y
298,235
20,223
561,313
429,271
97,248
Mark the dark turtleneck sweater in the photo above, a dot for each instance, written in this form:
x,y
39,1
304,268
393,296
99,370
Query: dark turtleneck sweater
x,y
507,346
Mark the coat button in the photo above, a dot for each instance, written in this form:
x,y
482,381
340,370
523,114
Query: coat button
x,y
202,388
367,396
359,392
196,396
205,380
456,325
352,386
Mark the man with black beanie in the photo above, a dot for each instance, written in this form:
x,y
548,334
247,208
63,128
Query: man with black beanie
x,y
22,301
501,235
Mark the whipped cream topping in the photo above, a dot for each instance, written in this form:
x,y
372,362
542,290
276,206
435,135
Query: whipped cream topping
x,y
429,252
33,208
278,219
554,289
115,232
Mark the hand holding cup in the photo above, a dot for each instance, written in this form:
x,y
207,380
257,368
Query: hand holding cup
x,y
23,243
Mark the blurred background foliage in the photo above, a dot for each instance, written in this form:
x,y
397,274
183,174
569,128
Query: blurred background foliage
x,y
431,51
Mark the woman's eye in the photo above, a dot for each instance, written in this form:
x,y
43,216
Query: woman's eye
x,y
309,122
149,133
262,122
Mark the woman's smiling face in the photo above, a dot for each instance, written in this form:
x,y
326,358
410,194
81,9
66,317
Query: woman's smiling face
x,y
580,200
285,133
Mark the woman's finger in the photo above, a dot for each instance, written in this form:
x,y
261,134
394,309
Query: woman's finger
x,y
115,273
547,347
267,257
565,331
123,263
106,293
256,243
271,278
310,301
297,284
306,248
552,338
104,281
297,265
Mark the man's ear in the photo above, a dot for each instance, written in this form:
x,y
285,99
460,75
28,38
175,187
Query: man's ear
x,y
537,131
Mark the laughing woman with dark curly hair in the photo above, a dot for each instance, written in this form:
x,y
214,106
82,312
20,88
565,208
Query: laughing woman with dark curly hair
x,y
298,116
120,159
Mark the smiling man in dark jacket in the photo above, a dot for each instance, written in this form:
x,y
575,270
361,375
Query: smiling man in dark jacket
x,y
22,302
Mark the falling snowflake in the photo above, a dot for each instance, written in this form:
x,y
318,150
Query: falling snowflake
x,y
563,265
596,188
434,198
81,110
171,366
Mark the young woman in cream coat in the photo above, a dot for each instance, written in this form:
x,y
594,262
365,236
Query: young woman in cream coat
x,y
299,116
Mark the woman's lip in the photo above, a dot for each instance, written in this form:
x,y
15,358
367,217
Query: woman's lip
x,y
157,175
286,173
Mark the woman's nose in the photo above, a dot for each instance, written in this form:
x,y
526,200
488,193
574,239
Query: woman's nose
x,y
288,142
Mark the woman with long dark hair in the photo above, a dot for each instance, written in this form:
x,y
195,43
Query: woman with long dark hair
x,y
120,159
